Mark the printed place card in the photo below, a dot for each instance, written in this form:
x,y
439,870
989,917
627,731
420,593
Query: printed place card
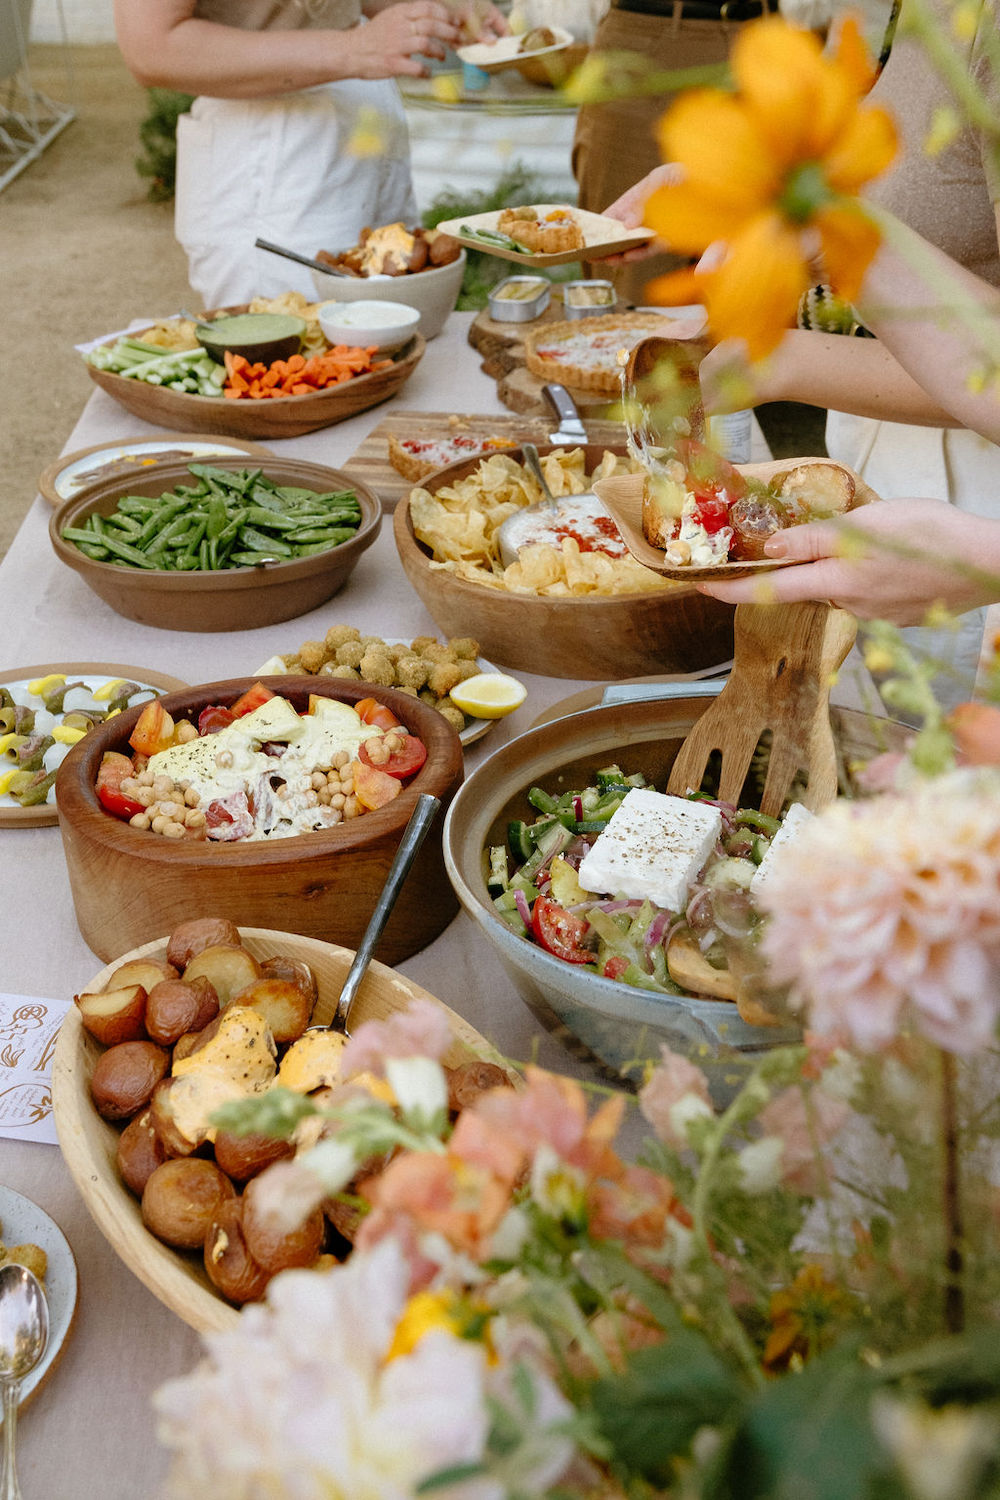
x,y
28,1030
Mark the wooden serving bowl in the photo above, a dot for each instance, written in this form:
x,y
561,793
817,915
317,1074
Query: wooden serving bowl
x,y
626,635
89,1143
232,598
619,1026
289,417
129,885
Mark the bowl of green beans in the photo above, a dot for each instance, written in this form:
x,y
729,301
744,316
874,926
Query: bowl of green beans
x,y
229,545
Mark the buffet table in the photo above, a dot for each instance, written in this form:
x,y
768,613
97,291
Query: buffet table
x,y
90,1430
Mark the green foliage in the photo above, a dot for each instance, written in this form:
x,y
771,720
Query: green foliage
x,y
158,137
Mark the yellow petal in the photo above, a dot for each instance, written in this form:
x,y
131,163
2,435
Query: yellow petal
x,y
853,56
688,219
850,240
677,288
799,100
715,139
866,148
755,294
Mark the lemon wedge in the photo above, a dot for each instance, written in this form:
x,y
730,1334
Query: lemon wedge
x,y
489,695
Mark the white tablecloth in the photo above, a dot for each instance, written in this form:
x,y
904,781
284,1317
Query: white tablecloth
x,y
90,1431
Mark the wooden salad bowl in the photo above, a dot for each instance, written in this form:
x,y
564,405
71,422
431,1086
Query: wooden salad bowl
x,y
289,417
129,885
624,635
89,1143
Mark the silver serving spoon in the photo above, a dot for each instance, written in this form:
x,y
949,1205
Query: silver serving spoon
x,y
303,260
414,834
522,527
24,1333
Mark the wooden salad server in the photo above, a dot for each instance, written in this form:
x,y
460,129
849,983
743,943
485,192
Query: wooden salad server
x,y
784,660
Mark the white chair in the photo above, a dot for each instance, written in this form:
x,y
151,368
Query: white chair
x,y
29,119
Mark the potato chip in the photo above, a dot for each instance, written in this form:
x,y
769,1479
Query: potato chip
x,y
459,523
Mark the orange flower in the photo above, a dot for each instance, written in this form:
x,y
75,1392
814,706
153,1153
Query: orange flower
x,y
805,1318
772,171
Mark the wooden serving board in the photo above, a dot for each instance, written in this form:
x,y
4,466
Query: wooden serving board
x,y
502,348
370,464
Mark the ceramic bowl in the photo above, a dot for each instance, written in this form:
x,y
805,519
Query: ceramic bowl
x,y
433,292
371,323
625,635
89,1143
262,337
232,598
619,1027
129,885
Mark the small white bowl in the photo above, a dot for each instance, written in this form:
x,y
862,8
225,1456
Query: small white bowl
x,y
386,325
433,292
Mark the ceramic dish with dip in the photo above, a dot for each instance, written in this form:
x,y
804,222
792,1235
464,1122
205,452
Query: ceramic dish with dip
x,y
71,473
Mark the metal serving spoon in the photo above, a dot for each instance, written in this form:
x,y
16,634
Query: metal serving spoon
x,y
24,1333
520,528
414,834
303,260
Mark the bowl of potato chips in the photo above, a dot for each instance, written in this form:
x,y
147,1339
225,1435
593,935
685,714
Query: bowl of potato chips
x,y
559,610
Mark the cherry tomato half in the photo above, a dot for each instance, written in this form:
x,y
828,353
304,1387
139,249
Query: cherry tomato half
x,y
709,475
213,718
402,763
251,699
560,931
371,711
110,774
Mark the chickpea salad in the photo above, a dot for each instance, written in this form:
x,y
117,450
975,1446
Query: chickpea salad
x,y
611,876
258,769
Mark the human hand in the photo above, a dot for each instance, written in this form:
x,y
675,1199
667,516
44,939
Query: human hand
x,y
630,209
480,21
890,560
395,40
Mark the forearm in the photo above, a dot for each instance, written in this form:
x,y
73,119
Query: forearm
x,y
856,375
202,57
940,321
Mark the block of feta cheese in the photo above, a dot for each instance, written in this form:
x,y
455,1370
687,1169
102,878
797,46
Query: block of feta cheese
x,y
653,846
791,823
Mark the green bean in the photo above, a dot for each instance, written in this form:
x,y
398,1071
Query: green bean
x,y
159,519
256,541
329,534
251,559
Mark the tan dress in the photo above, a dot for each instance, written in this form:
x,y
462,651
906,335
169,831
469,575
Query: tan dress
x,y
283,168
949,199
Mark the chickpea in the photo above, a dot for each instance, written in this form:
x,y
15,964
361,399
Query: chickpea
x,y
351,807
340,760
139,820
337,800
172,830
191,797
377,751
170,809
311,798
144,794
194,818
145,778
159,823
224,760
324,796
163,786
185,732
317,780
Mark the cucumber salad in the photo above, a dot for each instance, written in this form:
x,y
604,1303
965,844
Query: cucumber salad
x,y
614,876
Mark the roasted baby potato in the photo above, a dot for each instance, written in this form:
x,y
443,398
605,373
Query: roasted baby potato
x,y
294,971
270,1248
144,971
282,1003
125,1076
182,1198
169,1133
140,1152
177,1006
226,966
192,938
114,1016
228,1263
243,1156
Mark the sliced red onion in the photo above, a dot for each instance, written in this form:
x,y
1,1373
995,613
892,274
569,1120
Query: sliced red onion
x,y
695,905
523,909
707,939
610,906
578,809
656,929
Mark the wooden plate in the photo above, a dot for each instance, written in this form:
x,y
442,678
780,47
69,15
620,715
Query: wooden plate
x,y
288,417
11,814
504,53
622,494
70,474
23,1222
89,1143
601,236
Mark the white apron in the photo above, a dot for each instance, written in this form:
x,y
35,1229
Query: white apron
x,y
950,464
284,168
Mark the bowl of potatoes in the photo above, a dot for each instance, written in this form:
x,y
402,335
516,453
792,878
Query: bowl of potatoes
x,y
138,1070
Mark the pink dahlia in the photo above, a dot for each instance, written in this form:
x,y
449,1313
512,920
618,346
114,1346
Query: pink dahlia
x,y
887,912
